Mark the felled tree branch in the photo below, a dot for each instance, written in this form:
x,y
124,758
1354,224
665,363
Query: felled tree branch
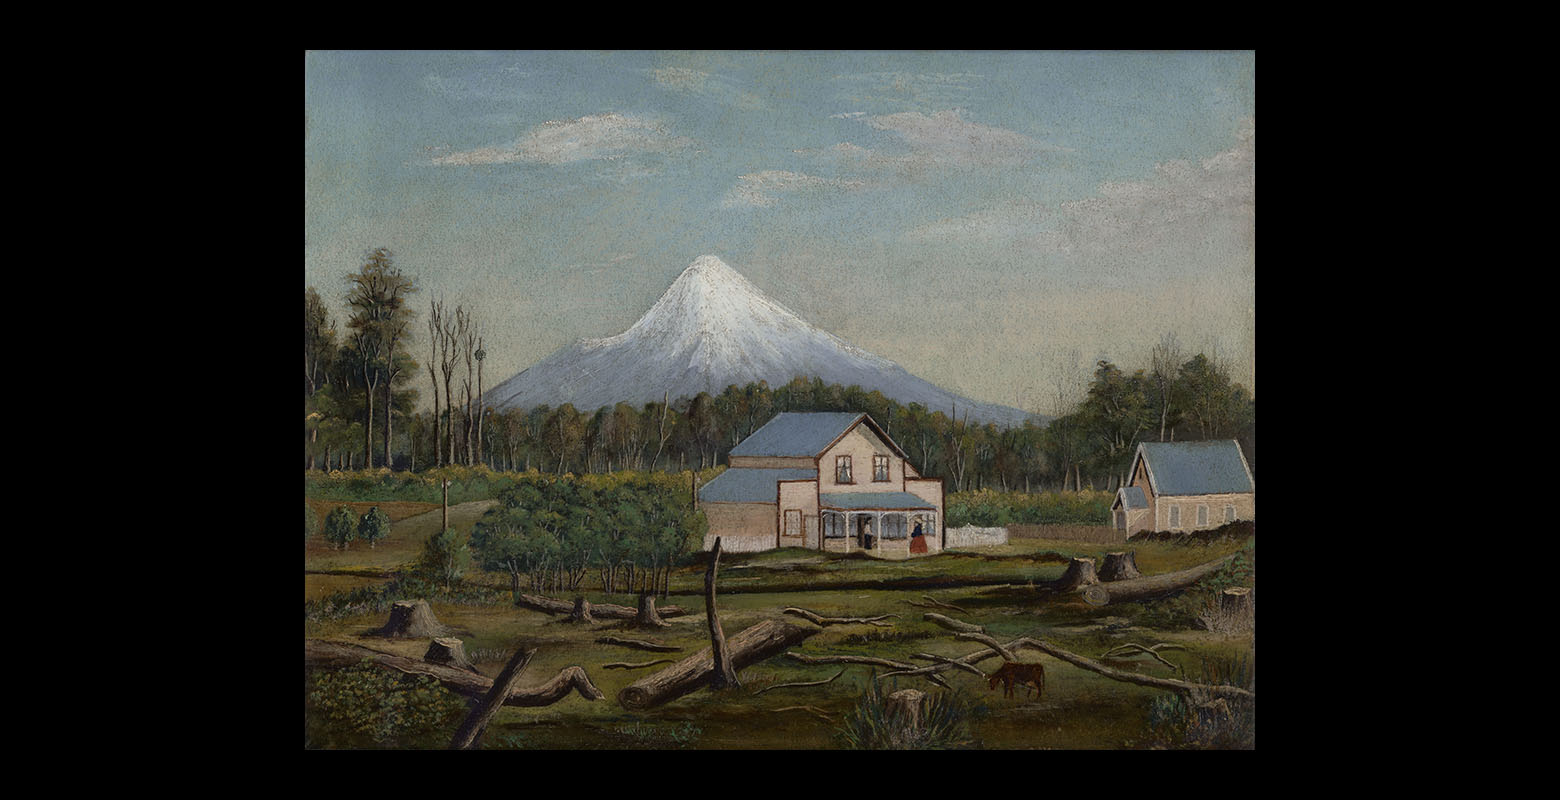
x,y
321,653
638,644
826,621
641,665
798,685
871,662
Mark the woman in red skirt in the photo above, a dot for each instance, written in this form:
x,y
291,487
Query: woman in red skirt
x,y
917,540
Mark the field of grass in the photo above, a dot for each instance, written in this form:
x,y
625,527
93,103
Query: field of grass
x,y
1080,709
410,525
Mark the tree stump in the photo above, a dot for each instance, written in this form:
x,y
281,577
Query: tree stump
x,y
581,612
647,616
1080,572
904,713
1120,567
450,652
412,619
1238,603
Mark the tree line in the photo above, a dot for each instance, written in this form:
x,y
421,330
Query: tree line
x,y
360,409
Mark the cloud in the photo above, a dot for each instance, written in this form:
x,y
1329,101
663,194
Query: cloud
x,y
947,138
703,84
761,189
603,136
913,90
481,84
1212,194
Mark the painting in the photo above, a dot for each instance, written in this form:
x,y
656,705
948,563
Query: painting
x,y
763,400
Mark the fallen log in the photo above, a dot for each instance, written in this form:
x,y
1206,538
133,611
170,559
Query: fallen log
x,y
639,644
1120,567
477,721
826,621
640,665
321,653
1100,594
798,685
1196,690
752,645
547,605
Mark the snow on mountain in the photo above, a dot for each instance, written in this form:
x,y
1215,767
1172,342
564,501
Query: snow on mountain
x,y
710,330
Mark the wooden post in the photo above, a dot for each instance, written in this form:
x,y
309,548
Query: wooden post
x,y
479,717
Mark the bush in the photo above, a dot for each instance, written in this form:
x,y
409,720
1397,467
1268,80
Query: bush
x,y
991,509
1224,724
341,526
374,525
367,706
945,723
445,556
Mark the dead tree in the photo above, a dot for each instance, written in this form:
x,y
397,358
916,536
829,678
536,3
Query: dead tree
x,y
647,616
725,675
321,653
755,644
1100,594
1120,567
476,722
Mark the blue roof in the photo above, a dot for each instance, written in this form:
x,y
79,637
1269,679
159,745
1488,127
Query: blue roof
x,y
745,485
874,500
795,433
1181,468
1133,497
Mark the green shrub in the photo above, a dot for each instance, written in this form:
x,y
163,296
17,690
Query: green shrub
x,y
341,526
445,556
369,707
374,526
1176,722
945,723
991,509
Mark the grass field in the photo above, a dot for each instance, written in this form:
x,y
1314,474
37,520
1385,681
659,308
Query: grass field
x,y
1080,709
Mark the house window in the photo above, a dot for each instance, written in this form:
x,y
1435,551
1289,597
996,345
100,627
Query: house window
x,y
1175,517
1229,513
1202,516
880,468
793,522
894,526
842,470
833,525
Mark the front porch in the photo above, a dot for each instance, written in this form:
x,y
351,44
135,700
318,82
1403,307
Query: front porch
x,y
881,533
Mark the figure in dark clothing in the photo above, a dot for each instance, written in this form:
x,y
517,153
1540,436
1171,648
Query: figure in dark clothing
x,y
917,540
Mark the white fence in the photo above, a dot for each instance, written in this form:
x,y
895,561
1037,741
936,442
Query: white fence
x,y
971,536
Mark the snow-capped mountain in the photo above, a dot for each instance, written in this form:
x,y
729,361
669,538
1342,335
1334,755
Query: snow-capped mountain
x,y
710,330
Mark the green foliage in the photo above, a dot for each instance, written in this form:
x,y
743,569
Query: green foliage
x,y
990,509
445,556
311,522
1177,722
366,706
945,723
374,526
644,736
340,526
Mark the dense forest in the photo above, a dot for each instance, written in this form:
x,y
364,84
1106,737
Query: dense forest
x,y
363,382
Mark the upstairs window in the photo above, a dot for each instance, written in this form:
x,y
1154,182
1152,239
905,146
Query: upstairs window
x,y
880,469
842,470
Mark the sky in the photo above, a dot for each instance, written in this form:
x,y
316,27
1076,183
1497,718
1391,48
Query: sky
x,y
995,222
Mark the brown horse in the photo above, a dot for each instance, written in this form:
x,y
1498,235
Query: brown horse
x,y
1024,674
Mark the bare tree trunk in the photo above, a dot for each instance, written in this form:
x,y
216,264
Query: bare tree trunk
x,y
725,675
755,644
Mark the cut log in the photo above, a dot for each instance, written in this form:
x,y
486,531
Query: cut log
x,y
477,721
724,674
751,646
1100,594
647,617
1120,567
450,652
547,605
640,665
413,619
321,653
639,644
581,611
